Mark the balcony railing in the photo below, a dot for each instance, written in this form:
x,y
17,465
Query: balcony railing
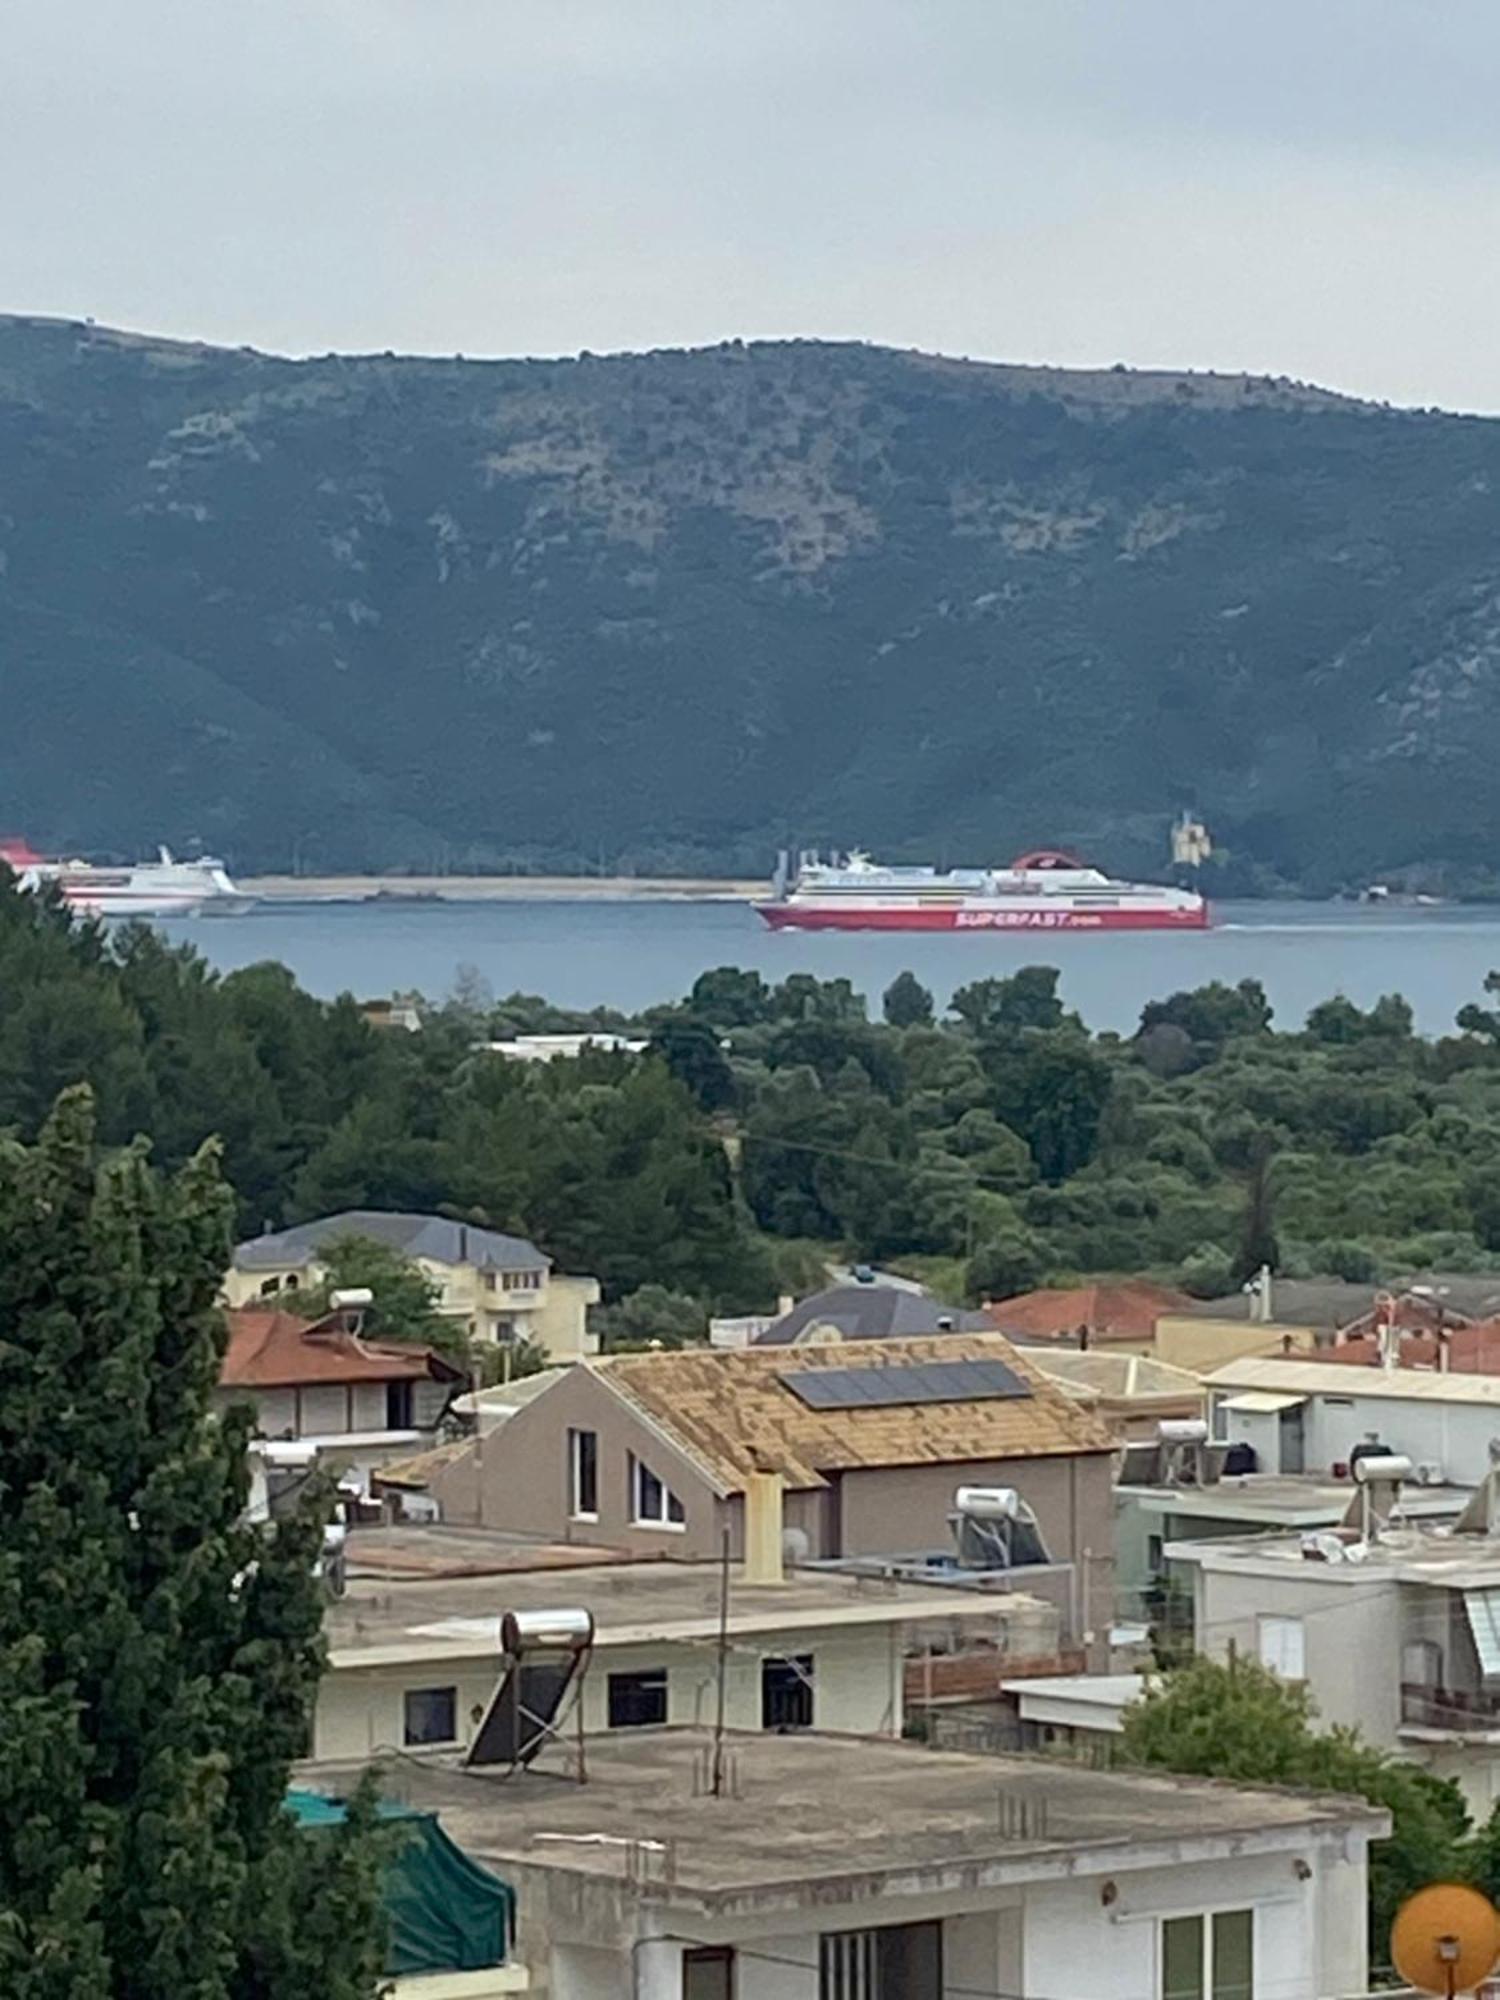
x,y
1461,1709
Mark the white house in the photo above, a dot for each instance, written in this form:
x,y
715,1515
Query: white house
x,y
1395,1630
1308,1416
814,1867
413,1662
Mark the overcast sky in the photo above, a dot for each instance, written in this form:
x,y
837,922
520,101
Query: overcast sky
x,y
1306,187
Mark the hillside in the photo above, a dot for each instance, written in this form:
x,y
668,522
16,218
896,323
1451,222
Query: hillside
x,y
671,610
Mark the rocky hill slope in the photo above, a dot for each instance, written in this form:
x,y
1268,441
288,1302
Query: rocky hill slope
x,y
671,610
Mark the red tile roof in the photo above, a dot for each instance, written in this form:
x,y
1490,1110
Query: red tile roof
x,y
276,1350
1125,1311
1472,1350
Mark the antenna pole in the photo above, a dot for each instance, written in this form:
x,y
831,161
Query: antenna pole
x,y
716,1779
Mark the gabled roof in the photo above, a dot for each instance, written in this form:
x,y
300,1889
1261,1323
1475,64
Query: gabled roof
x,y
731,1412
1127,1310
432,1236
276,1350
868,1312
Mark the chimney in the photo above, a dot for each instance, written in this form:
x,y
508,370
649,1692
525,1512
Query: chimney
x,y
763,1514
463,1243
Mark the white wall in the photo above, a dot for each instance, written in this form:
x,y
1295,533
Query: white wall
x,y
1053,1939
1351,1637
857,1673
1073,1943
1453,1435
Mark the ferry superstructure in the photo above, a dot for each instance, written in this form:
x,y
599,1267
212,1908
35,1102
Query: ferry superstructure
x,y
1042,891
165,887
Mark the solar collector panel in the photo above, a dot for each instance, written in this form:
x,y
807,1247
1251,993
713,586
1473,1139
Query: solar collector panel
x,y
903,1385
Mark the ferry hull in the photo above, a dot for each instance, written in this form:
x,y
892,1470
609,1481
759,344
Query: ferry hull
x,y
806,917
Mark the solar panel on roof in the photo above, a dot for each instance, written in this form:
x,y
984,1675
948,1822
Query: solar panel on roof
x,y
898,1385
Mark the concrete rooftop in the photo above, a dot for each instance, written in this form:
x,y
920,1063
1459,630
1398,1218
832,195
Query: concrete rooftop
x,y
1434,1556
807,1809
452,1617
1288,1500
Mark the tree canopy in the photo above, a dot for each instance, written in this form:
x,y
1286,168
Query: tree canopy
x,y
159,1655
1000,1140
1237,1720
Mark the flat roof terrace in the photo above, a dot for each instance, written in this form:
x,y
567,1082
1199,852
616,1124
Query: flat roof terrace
x,y
806,1809
384,1622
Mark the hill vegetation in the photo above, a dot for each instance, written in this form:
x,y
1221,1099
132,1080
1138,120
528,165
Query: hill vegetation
x,y
671,611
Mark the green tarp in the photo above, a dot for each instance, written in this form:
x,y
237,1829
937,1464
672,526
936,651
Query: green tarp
x,y
445,1912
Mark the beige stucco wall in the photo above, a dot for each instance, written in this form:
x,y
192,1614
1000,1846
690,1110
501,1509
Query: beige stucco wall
x,y
521,1475
1201,1345
560,1322
857,1684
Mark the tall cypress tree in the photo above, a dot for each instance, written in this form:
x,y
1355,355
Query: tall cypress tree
x,y
159,1655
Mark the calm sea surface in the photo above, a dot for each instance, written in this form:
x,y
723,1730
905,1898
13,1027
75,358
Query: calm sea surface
x,y
629,954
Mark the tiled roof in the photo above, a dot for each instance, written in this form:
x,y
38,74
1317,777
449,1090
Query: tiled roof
x,y
1473,1349
276,1350
1125,1311
430,1236
728,1410
868,1312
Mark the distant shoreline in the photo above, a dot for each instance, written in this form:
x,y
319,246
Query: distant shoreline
x,y
401,889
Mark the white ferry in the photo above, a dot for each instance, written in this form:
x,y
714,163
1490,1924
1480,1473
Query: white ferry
x,y
165,887
1042,891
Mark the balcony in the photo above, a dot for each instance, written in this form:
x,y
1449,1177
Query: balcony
x,y
1462,1711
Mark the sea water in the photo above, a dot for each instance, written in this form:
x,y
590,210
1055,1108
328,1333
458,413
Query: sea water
x,y
631,953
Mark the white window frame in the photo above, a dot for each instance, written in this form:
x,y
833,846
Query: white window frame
x,y
640,1472
1281,1644
575,1475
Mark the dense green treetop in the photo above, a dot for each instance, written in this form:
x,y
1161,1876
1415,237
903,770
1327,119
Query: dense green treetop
x,y
159,1656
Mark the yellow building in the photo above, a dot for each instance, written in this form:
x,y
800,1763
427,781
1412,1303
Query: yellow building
x,y
502,1288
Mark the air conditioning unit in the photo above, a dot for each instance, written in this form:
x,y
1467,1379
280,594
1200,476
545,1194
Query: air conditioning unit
x,y
1427,1472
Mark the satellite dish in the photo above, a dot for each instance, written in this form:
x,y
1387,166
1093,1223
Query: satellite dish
x,y
1446,1939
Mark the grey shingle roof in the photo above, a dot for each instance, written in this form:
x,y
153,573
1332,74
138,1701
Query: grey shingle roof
x,y
430,1236
871,1312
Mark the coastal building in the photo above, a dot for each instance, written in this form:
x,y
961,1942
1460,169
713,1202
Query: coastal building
x,y
1310,1415
350,1402
415,1648
654,1452
1393,1628
1167,1494
554,1048
808,1866
501,1289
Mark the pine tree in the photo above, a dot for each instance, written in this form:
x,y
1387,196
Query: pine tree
x,y
159,1656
